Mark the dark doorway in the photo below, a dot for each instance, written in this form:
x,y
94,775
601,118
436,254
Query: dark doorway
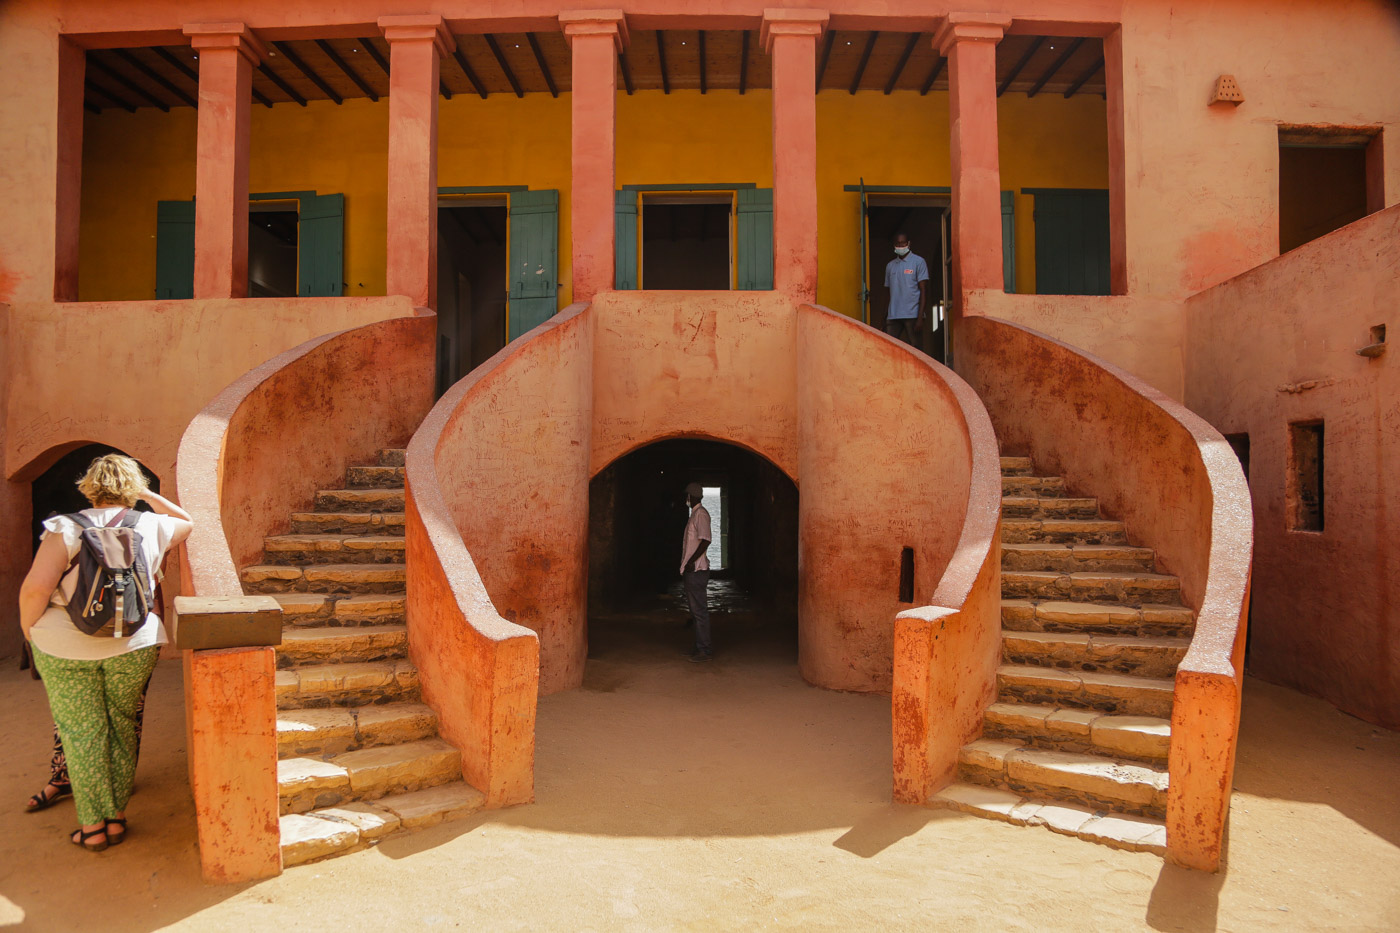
x,y
637,516
55,491
272,249
472,285
686,242
1320,188
922,220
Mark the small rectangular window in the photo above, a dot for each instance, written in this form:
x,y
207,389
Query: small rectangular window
x,y
906,575
1305,493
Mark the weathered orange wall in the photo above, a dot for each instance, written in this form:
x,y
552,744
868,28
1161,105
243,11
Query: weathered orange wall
x,y
1176,484
1277,345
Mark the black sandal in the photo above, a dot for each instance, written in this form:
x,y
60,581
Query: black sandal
x,y
43,800
80,838
118,838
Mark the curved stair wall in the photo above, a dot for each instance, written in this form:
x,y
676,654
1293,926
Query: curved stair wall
x,y
1175,482
259,450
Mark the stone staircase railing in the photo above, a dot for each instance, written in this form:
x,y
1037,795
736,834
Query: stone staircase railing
x,y
260,449
1172,478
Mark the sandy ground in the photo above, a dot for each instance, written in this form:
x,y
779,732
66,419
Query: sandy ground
x,y
729,796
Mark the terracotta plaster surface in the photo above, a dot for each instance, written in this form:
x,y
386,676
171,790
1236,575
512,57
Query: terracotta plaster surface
x,y
1277,345
886,461
1143,335
1175,482
594,41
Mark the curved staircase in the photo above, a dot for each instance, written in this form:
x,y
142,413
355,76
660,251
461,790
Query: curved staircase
x,y
1078,737
359,755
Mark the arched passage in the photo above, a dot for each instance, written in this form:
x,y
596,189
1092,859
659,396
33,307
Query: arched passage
x,y
56,490
637,515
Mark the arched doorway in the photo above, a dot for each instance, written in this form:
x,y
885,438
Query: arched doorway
x,y
56,490
637,514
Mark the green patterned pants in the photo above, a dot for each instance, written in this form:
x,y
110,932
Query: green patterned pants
x,y
94,705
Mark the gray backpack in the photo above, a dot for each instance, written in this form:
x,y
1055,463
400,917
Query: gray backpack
x,y
111,597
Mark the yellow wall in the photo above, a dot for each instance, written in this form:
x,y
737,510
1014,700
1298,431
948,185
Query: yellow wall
x,y
131,161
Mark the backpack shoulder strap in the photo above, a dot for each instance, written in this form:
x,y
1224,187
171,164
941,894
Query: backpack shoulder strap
x,y
127,518
81,520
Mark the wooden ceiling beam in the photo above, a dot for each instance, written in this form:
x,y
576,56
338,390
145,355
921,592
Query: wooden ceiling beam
x,y
703,83
1058,64
461,58
103,92
903,60
661,59
744,63
1084,78
932,75
91,107
826,56
626,71
276,79
443,89
291,55
544,65
374,54
1020,65
127,83
864,60
505,65
349,72
127,56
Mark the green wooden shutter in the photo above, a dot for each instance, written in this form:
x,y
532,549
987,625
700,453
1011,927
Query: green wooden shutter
x,y
754,248
321,246
1071,242
175,249
625,238
1008,241
534,259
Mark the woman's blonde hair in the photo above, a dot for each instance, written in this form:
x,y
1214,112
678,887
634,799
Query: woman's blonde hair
x,y
113,480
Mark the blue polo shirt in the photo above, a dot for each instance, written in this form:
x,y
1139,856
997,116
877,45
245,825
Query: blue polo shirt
x,y
902,278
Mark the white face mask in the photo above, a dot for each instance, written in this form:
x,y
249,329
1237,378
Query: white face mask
x,y
901,251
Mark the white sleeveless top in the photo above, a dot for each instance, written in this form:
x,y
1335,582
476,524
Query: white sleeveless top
x,y
56,635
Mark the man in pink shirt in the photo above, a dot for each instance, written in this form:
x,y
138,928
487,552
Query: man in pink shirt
x,y
695,570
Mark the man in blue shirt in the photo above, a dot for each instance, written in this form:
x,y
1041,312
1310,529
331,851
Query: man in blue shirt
x,y
906,277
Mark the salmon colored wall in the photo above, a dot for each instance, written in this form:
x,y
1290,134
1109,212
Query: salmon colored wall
x,y
1276,346
1174,481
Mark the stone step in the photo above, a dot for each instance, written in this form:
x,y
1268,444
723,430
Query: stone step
x,y
360,683
1096,781
365,774
1119,830
393,456
319,733
334,549
1145,656
1133,589
374,477
307,837
1062,531
322,609
1123,694
1048,507
1015,466
1030,615
1046,487
348,523
305,644
1071,558
1142,738
359,500
324,578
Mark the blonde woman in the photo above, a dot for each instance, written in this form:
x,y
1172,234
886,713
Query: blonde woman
x,y
95,683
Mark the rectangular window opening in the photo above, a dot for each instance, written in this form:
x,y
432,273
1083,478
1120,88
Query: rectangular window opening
x,y
713,500
1306,491
687,242
273,241
1329,176
906,575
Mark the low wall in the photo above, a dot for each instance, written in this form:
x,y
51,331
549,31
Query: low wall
x,y
1176,483
259,450
132,374
1278,345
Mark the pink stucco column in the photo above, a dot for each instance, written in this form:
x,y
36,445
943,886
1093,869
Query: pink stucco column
x,y
227,54
969,42
1114,77
417,43
595,37
790,37
72,66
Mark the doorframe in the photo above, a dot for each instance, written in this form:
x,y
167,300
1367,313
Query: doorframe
x,y
468,193
702,188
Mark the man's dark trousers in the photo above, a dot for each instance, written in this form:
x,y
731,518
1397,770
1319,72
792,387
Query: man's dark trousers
x,y
697,583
